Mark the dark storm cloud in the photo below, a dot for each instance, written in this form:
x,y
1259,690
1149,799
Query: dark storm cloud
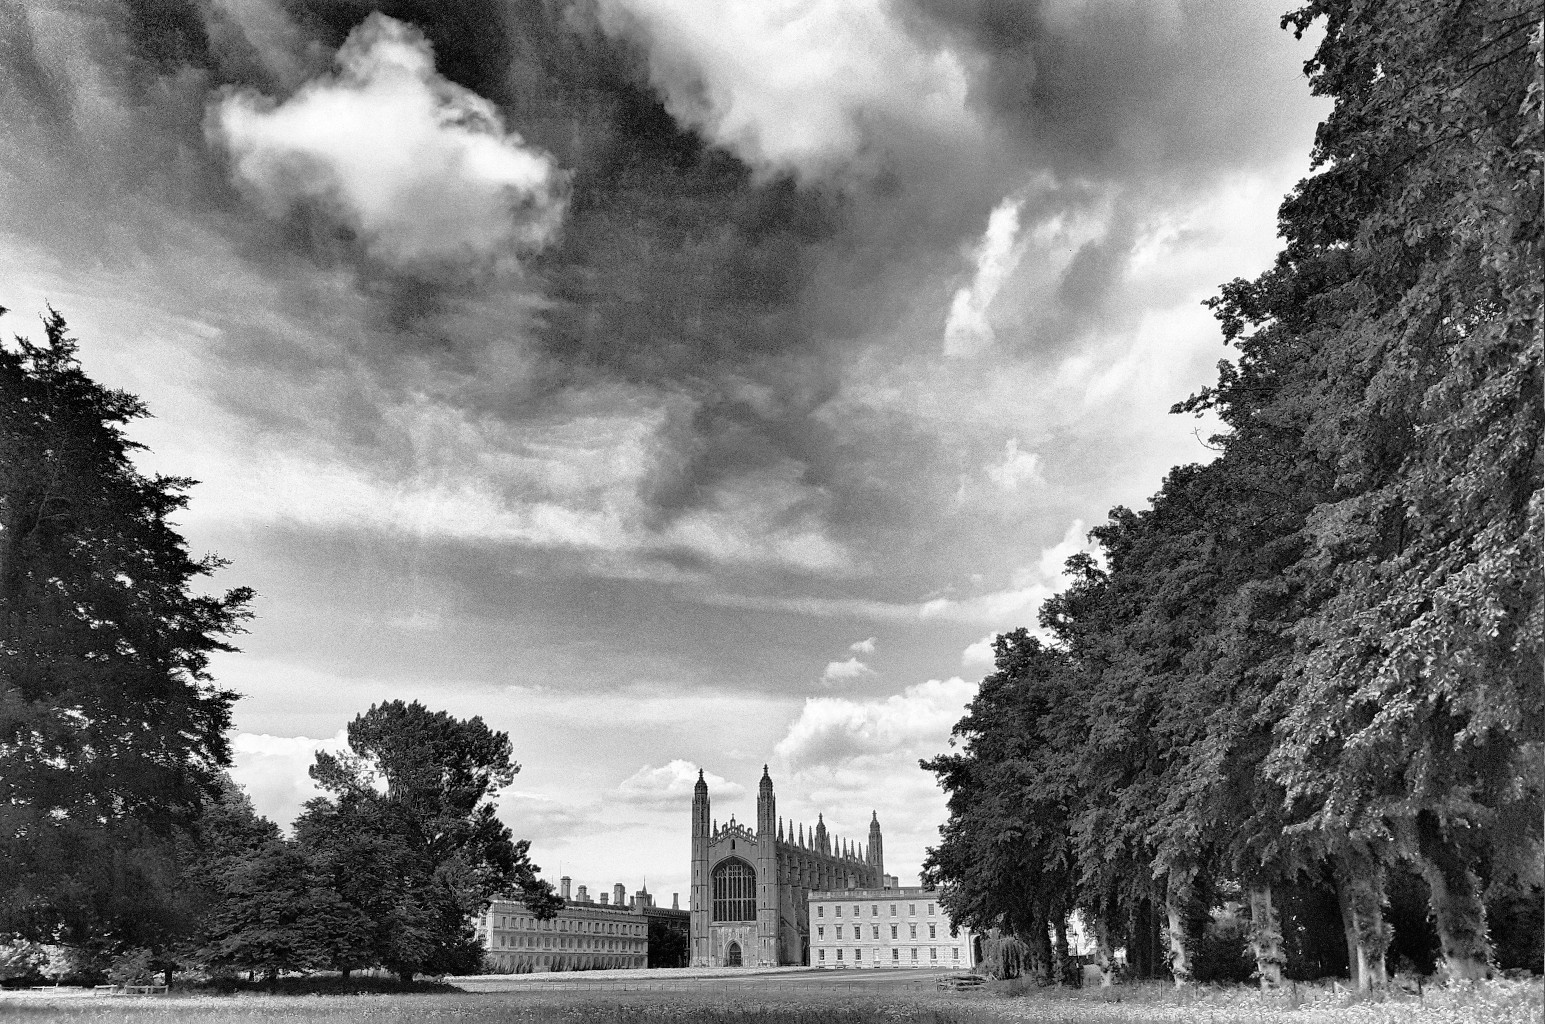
x,y
685,267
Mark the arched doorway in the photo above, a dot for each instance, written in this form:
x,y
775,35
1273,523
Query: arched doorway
x,y
732,955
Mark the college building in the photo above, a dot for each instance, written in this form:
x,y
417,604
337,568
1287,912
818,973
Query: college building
x,y
894,927
587,934
750,888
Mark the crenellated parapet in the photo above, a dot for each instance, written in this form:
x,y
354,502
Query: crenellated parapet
x,y
731,829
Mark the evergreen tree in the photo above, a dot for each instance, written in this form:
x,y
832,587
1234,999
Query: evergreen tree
x,y
112,733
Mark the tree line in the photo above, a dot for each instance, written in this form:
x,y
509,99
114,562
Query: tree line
x,y
1304,683
124,845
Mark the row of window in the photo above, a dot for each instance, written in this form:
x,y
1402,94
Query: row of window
x,y
858,954
563,925
858,931
874,910
562,942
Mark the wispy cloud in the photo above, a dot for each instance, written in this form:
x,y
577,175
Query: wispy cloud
x,y
967,330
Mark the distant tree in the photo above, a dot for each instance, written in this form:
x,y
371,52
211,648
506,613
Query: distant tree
x,y
669,943
112,733
410,836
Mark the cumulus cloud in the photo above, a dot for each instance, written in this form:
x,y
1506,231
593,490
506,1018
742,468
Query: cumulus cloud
x,y
845,671
831,730
863,646
274,770
1015,468
966,330
979,654
423,169
809,86
670,785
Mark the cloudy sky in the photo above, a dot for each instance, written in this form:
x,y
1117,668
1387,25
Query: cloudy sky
x,y
673,383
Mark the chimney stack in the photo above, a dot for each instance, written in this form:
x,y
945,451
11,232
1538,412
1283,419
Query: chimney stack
x,y
583,898
675,902
563,887
619,895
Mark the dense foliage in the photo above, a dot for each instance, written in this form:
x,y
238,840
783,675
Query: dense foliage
x,y
408,838
1312,667
125,849
112,733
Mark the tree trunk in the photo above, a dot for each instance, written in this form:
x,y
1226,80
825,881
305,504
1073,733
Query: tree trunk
x,y
1177,907
1102,951
1059,949
406,977
1458,911
1360,888
1040,951
1266,937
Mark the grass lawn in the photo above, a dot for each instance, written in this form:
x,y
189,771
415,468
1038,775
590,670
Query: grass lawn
x,y
791,998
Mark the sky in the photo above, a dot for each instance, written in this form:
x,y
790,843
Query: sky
x,y
674,384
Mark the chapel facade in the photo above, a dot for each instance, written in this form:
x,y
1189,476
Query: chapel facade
x,y
750,888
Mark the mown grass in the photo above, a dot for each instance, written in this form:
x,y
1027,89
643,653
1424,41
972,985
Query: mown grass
x,y
1513,1002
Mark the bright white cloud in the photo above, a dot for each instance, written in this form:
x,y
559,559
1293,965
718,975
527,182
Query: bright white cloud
x,y
849,758
422,168
830,730
671,785
845,671
810,86
1015,468
274,770
863,646
966,330
979,654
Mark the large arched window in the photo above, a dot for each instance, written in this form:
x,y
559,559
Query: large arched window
x,y
734,891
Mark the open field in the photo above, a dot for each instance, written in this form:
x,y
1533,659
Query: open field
x,y
793,997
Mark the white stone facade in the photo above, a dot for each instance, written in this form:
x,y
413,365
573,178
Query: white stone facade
x,y
885,928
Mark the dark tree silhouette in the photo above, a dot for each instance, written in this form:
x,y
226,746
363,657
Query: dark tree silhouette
x,y
112,733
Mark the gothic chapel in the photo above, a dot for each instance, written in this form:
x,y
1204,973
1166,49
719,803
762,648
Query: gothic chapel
x,y
749,905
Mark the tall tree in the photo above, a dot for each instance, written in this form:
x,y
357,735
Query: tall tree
x,y
411,835
112,732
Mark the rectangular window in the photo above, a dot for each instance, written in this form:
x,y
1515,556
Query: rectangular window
x,y
876,930
820,911
914,952
933,952
955,953
820,932
839,910
930,910
858,954
820,954
914,930
839,953
911,909
839,931
893,931
874,910
895,954
931,933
